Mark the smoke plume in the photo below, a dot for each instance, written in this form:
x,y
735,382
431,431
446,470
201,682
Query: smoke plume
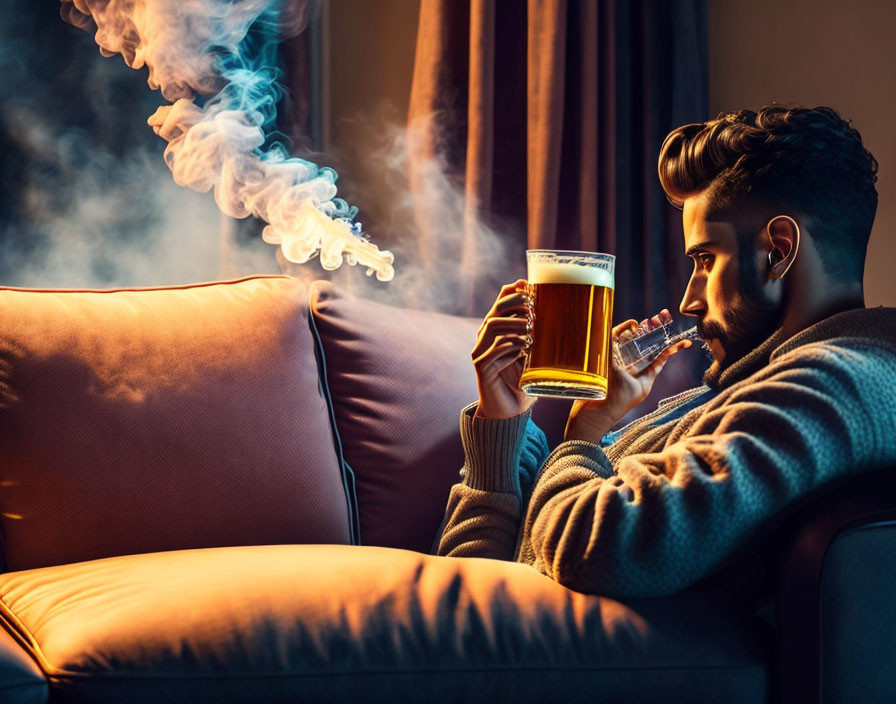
x,y
214,59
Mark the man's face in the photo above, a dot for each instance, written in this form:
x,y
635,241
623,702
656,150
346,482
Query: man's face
x,y
725,290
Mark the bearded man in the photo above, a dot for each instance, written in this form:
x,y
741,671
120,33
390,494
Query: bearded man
x,y
777,207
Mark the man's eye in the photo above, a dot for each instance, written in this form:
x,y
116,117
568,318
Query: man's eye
x,y
706,260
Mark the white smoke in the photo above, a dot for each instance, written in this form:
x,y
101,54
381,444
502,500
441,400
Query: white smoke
x,y
195,48
429,229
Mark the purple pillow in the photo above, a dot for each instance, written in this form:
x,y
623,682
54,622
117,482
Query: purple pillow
x,y
397,380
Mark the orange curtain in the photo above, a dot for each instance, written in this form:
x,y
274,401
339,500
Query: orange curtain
x,y
548,117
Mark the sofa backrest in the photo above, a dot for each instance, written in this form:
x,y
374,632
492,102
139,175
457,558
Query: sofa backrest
x,y
156,419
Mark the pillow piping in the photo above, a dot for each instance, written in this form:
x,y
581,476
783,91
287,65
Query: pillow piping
x,y
348,475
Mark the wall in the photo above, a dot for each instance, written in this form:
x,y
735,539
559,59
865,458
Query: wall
x,y
370,61
368,64
818,52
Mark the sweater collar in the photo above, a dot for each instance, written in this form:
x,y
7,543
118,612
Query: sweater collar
x,y
746,365
871,323
875,323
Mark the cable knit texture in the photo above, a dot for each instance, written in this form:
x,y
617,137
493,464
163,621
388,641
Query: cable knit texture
x,y
495,445
671,501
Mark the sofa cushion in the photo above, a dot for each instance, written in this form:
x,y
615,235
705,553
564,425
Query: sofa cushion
x,y
154,419
344,623
398,379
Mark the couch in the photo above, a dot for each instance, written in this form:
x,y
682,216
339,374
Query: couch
x,y
229,492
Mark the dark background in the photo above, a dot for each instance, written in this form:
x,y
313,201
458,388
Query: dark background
x,y
85,197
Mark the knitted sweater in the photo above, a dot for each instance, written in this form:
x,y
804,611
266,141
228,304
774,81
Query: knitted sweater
x,y
671,501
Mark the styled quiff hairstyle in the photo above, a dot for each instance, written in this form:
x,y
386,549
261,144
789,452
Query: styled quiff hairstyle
x,y
805,162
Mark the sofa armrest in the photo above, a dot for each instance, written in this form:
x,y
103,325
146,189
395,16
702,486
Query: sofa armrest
x,y
21,680
837,575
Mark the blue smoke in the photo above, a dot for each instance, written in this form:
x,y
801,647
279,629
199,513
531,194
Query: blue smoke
x,y
254,85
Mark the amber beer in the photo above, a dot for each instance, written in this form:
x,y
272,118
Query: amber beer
x,y
572,300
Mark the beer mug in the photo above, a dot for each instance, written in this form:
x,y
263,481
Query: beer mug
x,y
571,296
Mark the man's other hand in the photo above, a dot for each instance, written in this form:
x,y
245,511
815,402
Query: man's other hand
x,y
591,420
499,353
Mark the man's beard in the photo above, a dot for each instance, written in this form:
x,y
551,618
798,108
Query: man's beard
x,y
747,325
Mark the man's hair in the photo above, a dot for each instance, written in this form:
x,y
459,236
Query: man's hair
x,y
804,162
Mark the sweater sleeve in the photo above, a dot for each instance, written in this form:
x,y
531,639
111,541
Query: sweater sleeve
x,y
534,452
485,510
662,521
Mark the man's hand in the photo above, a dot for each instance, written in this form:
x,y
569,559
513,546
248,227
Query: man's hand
x,y
590,420
498,355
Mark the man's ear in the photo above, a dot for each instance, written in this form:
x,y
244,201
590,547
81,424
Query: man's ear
x,y
784,244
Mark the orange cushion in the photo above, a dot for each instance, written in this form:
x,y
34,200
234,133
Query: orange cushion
x,y
342,623
156,419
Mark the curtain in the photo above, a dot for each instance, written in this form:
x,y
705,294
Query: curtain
x,y
548,115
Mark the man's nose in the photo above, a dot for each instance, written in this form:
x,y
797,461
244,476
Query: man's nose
x,y
692,304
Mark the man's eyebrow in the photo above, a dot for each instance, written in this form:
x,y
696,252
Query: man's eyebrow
x,y
697,247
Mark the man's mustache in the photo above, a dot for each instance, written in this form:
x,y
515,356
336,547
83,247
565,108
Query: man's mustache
x,y
710,330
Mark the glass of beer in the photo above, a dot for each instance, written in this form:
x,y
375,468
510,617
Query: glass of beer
x,y
572,308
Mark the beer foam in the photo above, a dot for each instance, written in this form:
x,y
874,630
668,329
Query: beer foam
x,y
563,273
